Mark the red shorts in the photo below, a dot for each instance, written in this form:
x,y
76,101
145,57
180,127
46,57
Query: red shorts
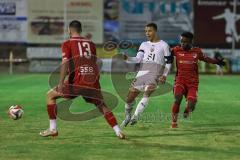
x,y
189,90
91,94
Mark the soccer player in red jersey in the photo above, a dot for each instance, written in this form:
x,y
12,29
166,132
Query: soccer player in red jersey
x,y
79,64
186,80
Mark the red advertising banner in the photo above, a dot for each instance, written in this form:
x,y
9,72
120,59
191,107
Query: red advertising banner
x,y
215,24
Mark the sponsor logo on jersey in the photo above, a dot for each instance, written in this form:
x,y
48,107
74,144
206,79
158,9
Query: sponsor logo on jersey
x,y
181,54
152,49
187,62
195,55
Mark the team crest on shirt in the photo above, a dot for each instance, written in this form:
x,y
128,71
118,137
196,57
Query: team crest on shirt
x,y
194,55
152,49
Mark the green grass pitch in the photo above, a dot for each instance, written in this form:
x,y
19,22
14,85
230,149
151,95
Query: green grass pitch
x,y
213,131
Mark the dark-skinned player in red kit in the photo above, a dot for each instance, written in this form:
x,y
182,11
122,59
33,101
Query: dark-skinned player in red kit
x,y
187,76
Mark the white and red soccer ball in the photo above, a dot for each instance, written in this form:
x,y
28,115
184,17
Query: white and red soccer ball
x,y
15,112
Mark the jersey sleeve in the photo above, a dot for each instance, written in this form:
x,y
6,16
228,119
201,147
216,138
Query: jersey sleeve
x,y
66,51
205,58
141,48
140,55
166,50
141,51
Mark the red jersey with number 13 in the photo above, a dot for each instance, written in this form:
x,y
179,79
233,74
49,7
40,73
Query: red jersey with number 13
x,y
81,54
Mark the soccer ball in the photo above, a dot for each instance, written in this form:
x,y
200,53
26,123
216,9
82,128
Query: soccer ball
x,y
15,112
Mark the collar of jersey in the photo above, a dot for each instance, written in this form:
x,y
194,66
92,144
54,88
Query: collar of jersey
x,y
76,37
154,42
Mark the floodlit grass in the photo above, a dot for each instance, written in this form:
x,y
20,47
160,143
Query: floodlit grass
x,y
212,132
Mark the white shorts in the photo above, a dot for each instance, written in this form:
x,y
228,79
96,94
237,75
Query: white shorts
x,y
140,83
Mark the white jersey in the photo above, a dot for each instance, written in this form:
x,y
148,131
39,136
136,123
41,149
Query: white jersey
x,y
152,57
154,52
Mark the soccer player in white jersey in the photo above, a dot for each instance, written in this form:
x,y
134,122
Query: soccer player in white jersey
x,y
155,58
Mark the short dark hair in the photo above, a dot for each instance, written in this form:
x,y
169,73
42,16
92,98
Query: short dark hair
x,y
153,25
75,24
187,35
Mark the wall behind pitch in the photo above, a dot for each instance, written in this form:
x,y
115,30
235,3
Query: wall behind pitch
x,y
48,19
215,22
13,21
172,18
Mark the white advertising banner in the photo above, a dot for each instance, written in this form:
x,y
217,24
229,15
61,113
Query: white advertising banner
x,y
13,21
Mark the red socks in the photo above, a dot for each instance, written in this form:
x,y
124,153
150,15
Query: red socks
x,y
52,111
175,111
110,119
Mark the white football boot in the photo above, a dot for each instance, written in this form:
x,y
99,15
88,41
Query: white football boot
x,y
127,117
48,132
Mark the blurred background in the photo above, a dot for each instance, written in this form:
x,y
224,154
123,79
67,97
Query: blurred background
x,y
31,31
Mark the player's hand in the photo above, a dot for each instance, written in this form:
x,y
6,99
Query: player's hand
x,y
125,57
162,79
221,62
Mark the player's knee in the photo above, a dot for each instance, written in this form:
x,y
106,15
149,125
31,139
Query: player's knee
x,y
133,90
149,90
178,99
129,99
192,100
131,95
101,108
49,94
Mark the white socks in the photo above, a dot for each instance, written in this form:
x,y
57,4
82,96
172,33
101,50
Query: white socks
x,y
117,130
52,124
141,106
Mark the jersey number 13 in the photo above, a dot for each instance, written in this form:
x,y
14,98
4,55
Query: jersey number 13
x,y
84,49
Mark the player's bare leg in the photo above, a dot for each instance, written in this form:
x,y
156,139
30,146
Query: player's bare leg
x,y
175,109
142,103
132,94
110,118
52,95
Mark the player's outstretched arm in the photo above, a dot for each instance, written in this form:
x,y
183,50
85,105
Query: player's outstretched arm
x,y
207,59
139,56
136,59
